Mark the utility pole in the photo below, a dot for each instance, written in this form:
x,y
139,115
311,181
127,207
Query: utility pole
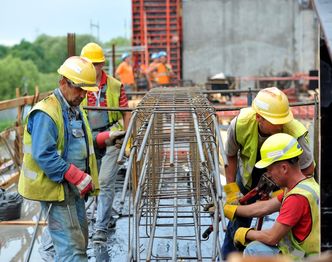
x,y
96,26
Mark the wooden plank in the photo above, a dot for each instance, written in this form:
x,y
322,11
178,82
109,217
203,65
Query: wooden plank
x,y
22,222
13,179
25,100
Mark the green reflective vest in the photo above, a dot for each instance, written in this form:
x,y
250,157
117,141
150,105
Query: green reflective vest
x,y
246,133
33,183
311,245
112,100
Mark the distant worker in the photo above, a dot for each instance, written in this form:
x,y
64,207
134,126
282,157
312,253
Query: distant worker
x,y
164,72
59,165
152,70
296,231
125,73
107,129
269,114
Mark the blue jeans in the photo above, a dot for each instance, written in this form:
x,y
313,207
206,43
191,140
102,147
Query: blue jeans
x,y
107,177
232,226
257,248
68,227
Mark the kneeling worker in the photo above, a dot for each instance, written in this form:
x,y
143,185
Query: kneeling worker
x,y
296,230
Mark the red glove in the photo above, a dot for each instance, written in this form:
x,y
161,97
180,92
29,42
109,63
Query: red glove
x,y
81,180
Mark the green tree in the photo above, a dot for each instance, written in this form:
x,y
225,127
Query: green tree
x,y
28,51
14,73
3,51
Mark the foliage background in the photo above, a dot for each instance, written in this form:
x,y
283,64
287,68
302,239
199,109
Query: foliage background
x,y
27,64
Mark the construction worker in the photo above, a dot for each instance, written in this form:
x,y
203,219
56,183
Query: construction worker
x,y
125,73
152,70
164,70
268,115
296,230
59,165
107,129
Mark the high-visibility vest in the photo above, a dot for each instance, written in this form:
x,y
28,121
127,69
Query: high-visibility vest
x,y
311,245
33,183
246,133
162,75
113,91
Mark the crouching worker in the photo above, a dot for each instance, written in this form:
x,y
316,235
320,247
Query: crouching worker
x,y
296,230
59,165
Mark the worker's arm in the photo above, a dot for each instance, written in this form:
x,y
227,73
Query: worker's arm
x,y
44,135
126,119
306,159
259,209
271,236
231,169
309,171
231,150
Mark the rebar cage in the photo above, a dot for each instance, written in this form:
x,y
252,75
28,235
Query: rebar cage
x,y
175,172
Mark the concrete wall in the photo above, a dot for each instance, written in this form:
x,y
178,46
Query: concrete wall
x,y
247,37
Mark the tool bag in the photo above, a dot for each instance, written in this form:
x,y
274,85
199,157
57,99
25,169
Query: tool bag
x,y
10,205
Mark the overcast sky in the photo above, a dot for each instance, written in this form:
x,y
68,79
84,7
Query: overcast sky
x,y
26,19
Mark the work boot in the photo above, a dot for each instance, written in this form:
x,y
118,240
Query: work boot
x,y
99,237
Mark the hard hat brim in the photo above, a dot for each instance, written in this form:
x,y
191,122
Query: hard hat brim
x,y
263,164
90,88
279,120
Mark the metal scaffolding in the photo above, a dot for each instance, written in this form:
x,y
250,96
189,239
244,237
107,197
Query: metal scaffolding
x,y
175,176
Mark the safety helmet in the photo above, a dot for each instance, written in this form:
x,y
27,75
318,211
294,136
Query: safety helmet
x,y
278,147
272,104
162,53
80,71
154,56
124,56
93,52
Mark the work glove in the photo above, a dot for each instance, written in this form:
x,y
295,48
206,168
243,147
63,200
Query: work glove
x,y
278,192
79,179
240,236
233,193
110,138
229,211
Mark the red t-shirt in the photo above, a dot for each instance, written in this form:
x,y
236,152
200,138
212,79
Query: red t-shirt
x,y
295,212
123,101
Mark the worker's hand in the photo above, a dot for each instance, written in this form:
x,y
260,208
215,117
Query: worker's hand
x,y
229,211
115,137
233,193
110,138
240,236
78,178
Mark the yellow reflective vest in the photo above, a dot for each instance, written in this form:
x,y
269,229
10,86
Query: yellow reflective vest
x,y
33,183
246,133
112,100
311,245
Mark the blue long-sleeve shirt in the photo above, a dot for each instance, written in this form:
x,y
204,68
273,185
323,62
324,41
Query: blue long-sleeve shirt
x,y
44,136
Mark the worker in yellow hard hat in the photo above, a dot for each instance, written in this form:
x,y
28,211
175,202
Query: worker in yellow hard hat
x,y
59,168
108,130
268,115
296,230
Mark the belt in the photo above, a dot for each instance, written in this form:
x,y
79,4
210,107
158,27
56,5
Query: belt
x,y
103,128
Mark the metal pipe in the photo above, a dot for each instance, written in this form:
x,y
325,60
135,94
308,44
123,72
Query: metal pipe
x,y
126,138
198,137
145,139
171,156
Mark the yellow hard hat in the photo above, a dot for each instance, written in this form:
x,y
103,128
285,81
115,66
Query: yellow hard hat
x,y
80,71
272,104
93,52
278,147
